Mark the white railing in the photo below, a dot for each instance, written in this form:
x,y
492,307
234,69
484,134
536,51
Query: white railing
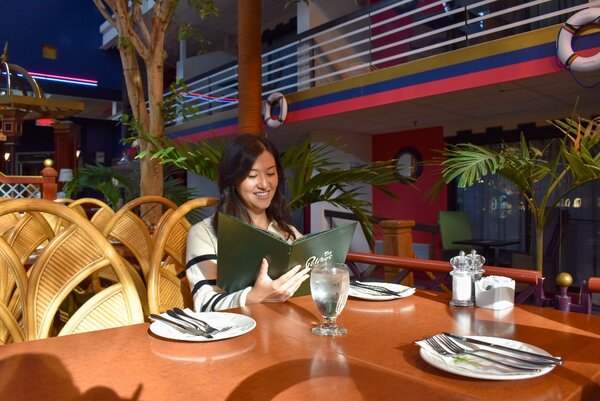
x,y
29,186
20,190
380,37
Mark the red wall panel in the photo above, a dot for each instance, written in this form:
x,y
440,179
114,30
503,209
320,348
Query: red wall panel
x,y
414,202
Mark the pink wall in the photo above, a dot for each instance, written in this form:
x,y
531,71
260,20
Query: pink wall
x,y
413,202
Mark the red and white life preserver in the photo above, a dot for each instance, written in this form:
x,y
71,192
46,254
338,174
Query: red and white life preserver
x,y
275,99
569,29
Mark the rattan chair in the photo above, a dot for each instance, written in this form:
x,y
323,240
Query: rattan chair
x,y
131,232
8,222
31,232
167,285
10,331
13,285
101,215
67,261
130,235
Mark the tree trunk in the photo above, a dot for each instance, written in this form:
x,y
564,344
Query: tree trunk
x,y
151,170
249,67
539,248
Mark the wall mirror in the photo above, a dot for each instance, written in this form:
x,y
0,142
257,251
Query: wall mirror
x,y
409,165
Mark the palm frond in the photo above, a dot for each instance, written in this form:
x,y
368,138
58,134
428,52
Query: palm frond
x,y
201,157
313,173
541,179
470,163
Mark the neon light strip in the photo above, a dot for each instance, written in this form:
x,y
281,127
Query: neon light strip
x,y
91,81
64,79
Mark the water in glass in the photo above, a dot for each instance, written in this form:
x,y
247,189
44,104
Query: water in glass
x,y
329,285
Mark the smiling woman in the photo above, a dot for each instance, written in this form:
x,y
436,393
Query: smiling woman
x,y
251,183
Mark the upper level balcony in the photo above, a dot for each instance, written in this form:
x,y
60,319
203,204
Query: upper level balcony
x,y
419,42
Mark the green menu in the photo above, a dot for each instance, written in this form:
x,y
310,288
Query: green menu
x,y
241,247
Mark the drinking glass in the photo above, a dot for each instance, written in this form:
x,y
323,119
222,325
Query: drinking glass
x,y
329,285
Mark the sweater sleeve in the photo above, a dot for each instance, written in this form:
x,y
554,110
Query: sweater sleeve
x,y
201,272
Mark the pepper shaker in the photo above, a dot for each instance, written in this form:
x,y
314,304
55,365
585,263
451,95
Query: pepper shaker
x,y
476,270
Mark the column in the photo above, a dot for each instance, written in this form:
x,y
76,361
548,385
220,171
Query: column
x,y
397,241
66,137
249,67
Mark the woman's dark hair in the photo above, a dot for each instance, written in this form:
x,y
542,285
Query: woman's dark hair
x,y
236,163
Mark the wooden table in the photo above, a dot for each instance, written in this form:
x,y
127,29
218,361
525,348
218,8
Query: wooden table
x,y
280,359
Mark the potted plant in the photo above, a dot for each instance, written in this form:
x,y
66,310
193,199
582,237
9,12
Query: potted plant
x,y
542,180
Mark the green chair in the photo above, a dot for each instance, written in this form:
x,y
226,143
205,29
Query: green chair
x,y
454,226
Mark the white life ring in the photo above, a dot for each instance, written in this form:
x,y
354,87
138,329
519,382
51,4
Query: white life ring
x,y
565,51
275,99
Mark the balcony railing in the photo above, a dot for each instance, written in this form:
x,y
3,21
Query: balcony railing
x,y
386,34
23,186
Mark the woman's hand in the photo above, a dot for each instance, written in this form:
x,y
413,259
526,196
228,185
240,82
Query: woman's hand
x,y
267,290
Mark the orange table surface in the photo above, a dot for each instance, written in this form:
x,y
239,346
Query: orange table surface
x,y
281,360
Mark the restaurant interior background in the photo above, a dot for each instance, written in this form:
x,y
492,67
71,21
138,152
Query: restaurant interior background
x,y
496,209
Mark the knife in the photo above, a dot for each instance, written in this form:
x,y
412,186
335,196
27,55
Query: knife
x,y
180,327
556,360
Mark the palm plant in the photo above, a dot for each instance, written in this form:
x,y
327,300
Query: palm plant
x,y
542,180
101,179
312,174
118,187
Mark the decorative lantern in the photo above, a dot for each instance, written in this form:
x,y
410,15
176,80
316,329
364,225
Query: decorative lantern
x,y
12,123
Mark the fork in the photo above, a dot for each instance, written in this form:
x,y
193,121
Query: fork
x,y
188,321
206,327
379,289
455,351
180,327
469,349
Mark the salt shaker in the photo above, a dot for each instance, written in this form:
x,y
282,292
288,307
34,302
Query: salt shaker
x,y
462,280
476,270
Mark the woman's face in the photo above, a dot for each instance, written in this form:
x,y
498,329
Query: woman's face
x,y
259,186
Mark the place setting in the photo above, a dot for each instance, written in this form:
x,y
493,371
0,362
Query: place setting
x,y
187,325
489,358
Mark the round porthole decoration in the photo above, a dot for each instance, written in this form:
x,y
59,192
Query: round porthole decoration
x,y
565,52
275,110
409,165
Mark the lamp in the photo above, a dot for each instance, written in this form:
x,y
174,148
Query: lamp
x,y
65,175
6,156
